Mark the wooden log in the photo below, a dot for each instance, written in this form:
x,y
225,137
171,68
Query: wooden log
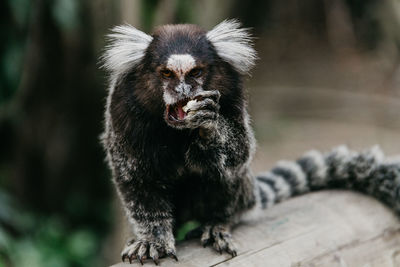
x,y
328,228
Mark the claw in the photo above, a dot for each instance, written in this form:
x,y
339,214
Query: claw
x,y
220,238
217,248
233,253
143,250
130,259
172,255
206,242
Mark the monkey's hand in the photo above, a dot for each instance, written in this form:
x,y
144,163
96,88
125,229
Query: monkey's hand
x,y
219,237
203,111
149,248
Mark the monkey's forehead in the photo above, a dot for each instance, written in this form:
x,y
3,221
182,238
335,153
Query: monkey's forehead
x,y
171,29
181,39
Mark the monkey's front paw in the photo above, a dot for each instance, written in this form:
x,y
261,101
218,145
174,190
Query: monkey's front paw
x,y
220,238
203,110
143,249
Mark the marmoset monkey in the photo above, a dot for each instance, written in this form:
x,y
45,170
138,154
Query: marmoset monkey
x,y
179,141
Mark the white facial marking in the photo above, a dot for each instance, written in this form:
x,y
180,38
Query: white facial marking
x,y
168,98
181,64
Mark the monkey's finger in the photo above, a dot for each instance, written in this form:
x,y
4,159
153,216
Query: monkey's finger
x,y
172,253
229,246
201,115
217,247
133,252
206,242
130,251
131,258
214,94
204,104
130,242
153,254
141,254
231,251
202,118
220,244
174,257
206,237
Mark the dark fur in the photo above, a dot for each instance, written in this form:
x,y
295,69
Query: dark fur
x,y
166,176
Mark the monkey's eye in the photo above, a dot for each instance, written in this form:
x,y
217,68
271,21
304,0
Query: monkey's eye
x,y
166,73
196,73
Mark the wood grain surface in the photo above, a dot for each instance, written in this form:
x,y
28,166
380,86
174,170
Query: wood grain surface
x,y
328,228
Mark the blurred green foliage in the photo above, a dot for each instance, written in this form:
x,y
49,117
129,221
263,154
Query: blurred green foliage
x,y
66,14
185,228
182,12
148,10
12,47
10,69
34,240
69,232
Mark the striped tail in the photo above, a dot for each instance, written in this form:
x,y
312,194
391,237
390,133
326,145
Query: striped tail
x,y
367,172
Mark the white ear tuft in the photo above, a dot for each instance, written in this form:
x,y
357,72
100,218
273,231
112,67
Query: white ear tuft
x,y
233,44
126,49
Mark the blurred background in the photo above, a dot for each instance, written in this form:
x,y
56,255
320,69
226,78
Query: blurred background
x,y
328,74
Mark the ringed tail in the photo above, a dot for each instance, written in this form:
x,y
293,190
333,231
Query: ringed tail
x,y
367,172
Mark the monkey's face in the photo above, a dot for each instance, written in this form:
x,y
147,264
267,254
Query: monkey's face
x,y
182,61
182,79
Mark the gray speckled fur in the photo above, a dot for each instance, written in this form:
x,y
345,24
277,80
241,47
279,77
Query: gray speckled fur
x,y
166,173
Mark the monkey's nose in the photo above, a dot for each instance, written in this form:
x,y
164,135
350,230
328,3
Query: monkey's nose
x,y
183,88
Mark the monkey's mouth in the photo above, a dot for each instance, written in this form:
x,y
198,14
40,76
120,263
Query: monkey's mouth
x,y
175,113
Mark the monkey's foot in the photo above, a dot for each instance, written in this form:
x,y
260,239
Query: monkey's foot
x,y
220,238
143,249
